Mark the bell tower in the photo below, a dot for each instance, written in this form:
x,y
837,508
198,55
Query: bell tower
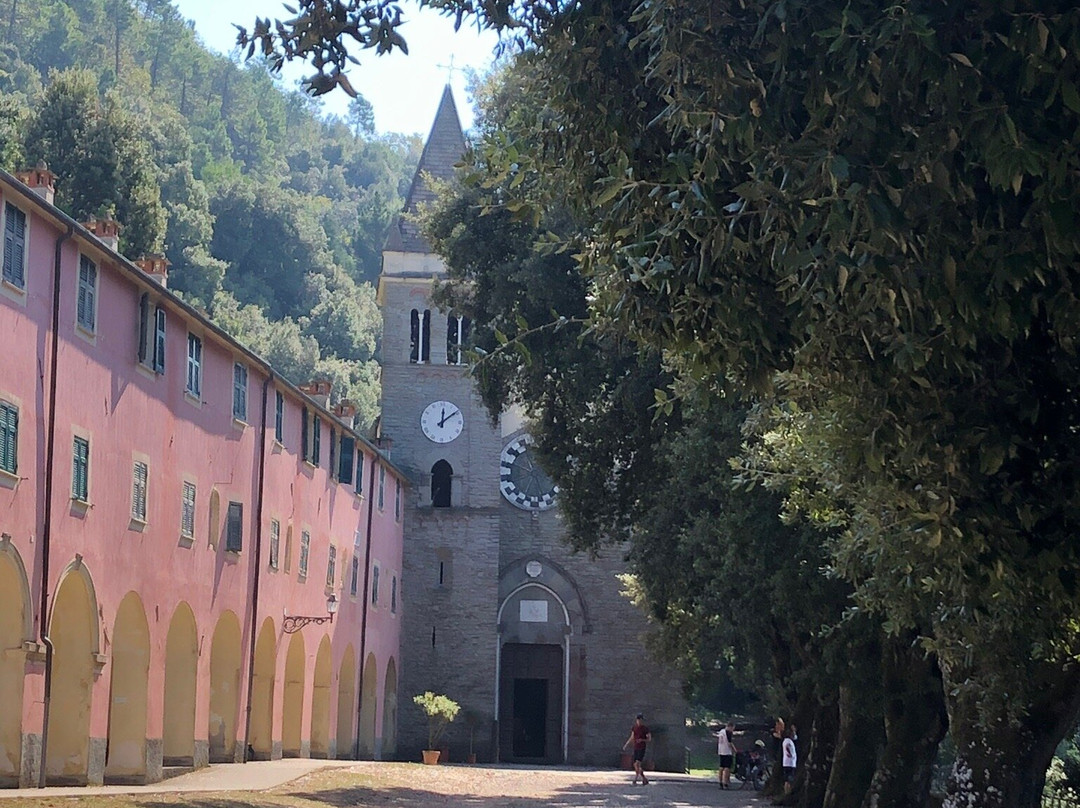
x,y
441,435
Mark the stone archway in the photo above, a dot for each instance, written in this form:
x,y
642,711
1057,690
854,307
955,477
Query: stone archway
x,y
262,693
73,628
346,698
15,629
368,704
320,702
224,688
181,682
389,715
292,706
125,759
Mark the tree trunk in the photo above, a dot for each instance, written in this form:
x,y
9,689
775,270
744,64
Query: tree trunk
x,y
11,21
915,723
1005,766
858,737
815,746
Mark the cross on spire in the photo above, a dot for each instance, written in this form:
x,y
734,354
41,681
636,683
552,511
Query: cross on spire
x,y
451,69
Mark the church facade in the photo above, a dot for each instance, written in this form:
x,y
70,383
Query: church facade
x,y
537,644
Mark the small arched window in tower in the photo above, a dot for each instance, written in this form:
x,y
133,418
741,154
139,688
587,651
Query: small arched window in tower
x,y
425,337
441,475
457,333
414,336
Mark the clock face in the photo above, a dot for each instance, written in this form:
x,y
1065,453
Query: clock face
x,y
522,481
442,421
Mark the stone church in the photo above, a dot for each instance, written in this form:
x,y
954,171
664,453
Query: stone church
x,y
535,643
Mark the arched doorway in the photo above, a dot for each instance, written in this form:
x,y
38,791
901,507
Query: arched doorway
x,y
128,682
15,628
73,628
367,708
262,693
181,681
389,715
346,698
292,707
320,702
224,688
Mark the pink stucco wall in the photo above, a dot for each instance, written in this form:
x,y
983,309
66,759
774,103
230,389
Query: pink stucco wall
x,y
128,412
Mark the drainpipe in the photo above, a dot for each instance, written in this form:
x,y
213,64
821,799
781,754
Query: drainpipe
x,y
46,528
364,605
256,562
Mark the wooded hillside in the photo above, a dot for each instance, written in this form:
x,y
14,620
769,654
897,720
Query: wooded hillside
x,y
271,215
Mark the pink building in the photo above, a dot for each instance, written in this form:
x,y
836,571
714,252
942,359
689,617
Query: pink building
x,y
177,526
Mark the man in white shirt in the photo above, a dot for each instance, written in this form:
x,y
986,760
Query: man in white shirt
x,y
725,748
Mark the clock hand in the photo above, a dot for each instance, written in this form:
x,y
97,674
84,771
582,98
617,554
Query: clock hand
x,y
446,417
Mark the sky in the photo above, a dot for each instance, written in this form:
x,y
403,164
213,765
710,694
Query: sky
x,y
404,90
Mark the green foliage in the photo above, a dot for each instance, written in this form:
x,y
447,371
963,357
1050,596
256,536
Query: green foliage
x,y
243,184
440,711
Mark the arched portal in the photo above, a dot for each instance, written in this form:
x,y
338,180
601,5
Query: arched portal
x,y
367,708
292,707
262,693
320,702
73,628
181,672
224,688
346,698
389,715
15,628
442,477
128,682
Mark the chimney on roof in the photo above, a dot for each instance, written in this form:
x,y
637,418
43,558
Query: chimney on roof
x,y
106,230
319,391
346,413
156,266
39,180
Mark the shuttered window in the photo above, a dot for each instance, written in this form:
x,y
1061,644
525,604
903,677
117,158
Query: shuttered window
x,y
239,398
354,579
234,528
275,542
305,549
305,451
14,246
80,470
332,466
316,439
331,566
194,365
187,512
345,462
139,476
359,473
9,438
87,302
393,595
279,416
143,354
382,486
375,585
159,339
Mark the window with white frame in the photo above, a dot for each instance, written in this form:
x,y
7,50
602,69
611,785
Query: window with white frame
x,y
9,438
457,332
159,340
194,366
354,578
87,297
14,246
139,476
187,511
305,551
239,395
275,542
80,470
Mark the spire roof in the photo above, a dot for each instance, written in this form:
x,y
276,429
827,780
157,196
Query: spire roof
x,y
443,148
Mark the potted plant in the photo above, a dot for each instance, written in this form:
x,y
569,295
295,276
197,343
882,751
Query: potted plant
x,y
440,711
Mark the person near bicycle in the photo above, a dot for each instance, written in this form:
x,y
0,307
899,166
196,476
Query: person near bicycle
x,y
725,748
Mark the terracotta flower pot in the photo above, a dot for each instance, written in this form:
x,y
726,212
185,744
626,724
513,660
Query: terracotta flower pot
x,y
431,756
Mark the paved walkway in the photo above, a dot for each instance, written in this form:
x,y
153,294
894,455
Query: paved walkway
x,y
257,775
414,786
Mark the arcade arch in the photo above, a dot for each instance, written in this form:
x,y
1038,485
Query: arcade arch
x,y
346,698
367,708
181,681
128,684
320,702
389,716
16,627
224,688
262,693
292,707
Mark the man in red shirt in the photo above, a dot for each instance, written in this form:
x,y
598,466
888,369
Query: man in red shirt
x,y
640,737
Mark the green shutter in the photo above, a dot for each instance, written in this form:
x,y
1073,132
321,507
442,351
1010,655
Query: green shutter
x,y
9,438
